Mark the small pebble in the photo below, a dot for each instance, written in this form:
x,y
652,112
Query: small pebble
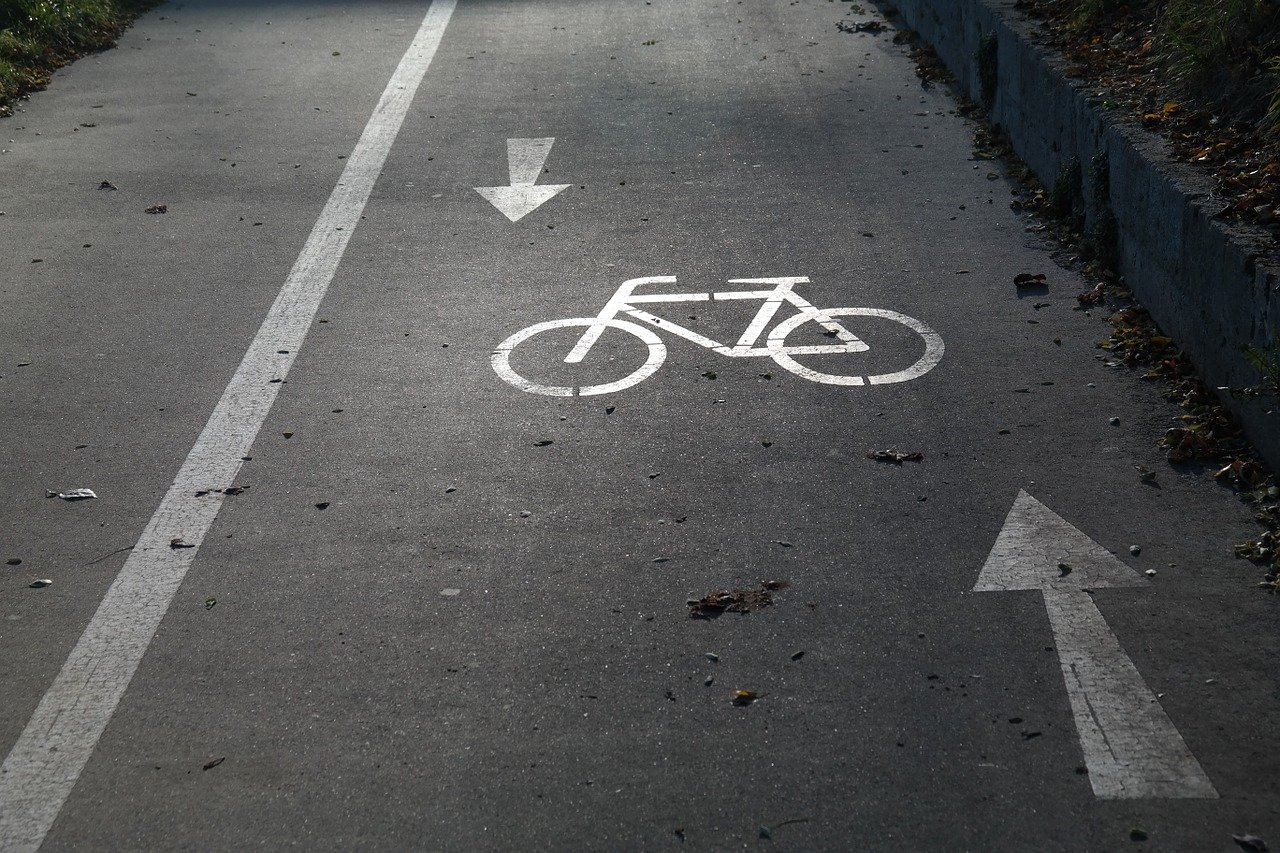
x,y
450,592
1135,550
13,561
1114,421
37,584
712,656
710,680
524,513
1151,573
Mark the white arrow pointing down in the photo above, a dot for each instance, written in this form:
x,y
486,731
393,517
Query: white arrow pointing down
x,y
1130,745
524,161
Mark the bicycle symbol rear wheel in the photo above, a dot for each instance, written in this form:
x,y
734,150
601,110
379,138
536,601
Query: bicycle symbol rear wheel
x,y
501,359
782,354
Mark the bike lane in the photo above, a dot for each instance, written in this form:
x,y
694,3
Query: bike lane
x,y
482,638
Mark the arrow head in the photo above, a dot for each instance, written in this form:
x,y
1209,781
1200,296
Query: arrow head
x,y
1037,549
519,200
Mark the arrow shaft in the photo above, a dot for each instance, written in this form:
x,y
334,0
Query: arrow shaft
x,y
525,158
1131,747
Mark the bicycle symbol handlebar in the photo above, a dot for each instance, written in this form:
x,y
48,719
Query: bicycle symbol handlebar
x,y
626,301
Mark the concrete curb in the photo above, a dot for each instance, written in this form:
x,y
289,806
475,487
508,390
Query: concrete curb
x,y
1199,277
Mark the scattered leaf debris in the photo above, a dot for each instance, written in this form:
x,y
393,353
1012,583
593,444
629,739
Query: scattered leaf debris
x,y
157,208
1217,120
744,697
209,765
1206,431
929,68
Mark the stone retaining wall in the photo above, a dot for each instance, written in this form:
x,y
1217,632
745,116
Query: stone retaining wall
x,y
1199,277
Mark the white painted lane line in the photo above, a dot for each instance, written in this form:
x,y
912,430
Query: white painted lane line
x,y
524,163
1130,746
47,759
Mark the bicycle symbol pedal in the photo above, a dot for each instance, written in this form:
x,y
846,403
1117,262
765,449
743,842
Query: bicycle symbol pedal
x,y
625,301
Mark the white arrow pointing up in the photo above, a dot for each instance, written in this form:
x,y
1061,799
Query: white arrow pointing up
x,y
524,159
1130,745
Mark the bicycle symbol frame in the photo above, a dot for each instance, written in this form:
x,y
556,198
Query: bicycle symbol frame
x,y
625,301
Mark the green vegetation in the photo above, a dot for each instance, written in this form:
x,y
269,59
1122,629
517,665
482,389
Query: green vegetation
x,y
1219,53
1225,49
37,36
1268,364
988,59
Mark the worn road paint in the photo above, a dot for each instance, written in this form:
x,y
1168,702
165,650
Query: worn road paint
x,y
625,299
524,163
47,759
1131,747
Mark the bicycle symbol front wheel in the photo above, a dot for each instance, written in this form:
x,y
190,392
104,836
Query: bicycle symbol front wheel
x,y
783,354
501,359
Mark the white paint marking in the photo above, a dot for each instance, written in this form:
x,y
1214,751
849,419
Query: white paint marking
x,y
933,347
501,359
526,157
524,163
625,296
1130,745
47,759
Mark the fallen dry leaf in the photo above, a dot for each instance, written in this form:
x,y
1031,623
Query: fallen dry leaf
x,y
720,601
897,457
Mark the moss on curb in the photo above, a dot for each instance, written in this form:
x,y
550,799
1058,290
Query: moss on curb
x,y
987,61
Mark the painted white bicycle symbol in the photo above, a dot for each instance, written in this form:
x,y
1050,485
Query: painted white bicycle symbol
x,y
625,300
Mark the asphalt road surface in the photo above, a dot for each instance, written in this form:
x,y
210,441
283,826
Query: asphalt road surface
x,y
372,565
